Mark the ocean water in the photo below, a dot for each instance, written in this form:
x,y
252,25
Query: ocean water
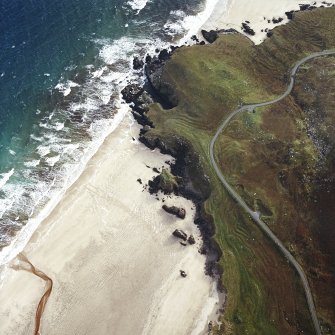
x,y
62,66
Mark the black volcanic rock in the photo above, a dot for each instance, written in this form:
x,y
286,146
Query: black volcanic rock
x,y
195,39
210,36
131,92
280,19
289,15
180,234
191,240
160,90
148,59
269,33
137,63
304,7
179,212
164,55
247,29
227,31
183,273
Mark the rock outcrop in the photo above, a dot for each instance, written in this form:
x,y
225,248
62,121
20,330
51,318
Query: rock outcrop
x,y
289,15
183,273
180,234
247,29
137,63
165,182
210,36
131,92
191,240
179,212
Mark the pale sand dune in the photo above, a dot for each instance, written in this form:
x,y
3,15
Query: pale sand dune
x,y
109,251
231,13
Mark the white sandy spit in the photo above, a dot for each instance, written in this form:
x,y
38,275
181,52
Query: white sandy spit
x,y
109,250
231,14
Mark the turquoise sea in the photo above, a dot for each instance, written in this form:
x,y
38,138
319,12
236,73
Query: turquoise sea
x,y
62,66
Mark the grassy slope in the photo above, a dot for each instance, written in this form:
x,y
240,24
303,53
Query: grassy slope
x,y
264,296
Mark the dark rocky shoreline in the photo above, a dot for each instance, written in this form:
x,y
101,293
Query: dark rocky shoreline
x,y
139,99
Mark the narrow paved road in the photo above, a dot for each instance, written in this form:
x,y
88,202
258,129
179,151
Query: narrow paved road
x,y
255,216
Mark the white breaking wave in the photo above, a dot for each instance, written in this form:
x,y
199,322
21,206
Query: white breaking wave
x,y
137,5
32,163
5,178
65,88
181,24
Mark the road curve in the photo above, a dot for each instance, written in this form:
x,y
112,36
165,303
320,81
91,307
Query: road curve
x,y
255,216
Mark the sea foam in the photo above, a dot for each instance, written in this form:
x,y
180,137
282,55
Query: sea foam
x,y
5,177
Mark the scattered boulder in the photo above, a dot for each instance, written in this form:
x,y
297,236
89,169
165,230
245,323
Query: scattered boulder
x,y
155,170
210,36
179,212
183,273
183,244
195,39
137,63
191,240
247,29
139,180
269,33
180,234
280,19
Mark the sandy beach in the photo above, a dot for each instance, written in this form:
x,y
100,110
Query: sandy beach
x,y
108,246
231,13
109,249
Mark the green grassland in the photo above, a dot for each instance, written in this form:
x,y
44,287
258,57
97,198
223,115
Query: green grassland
x,y
264,295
